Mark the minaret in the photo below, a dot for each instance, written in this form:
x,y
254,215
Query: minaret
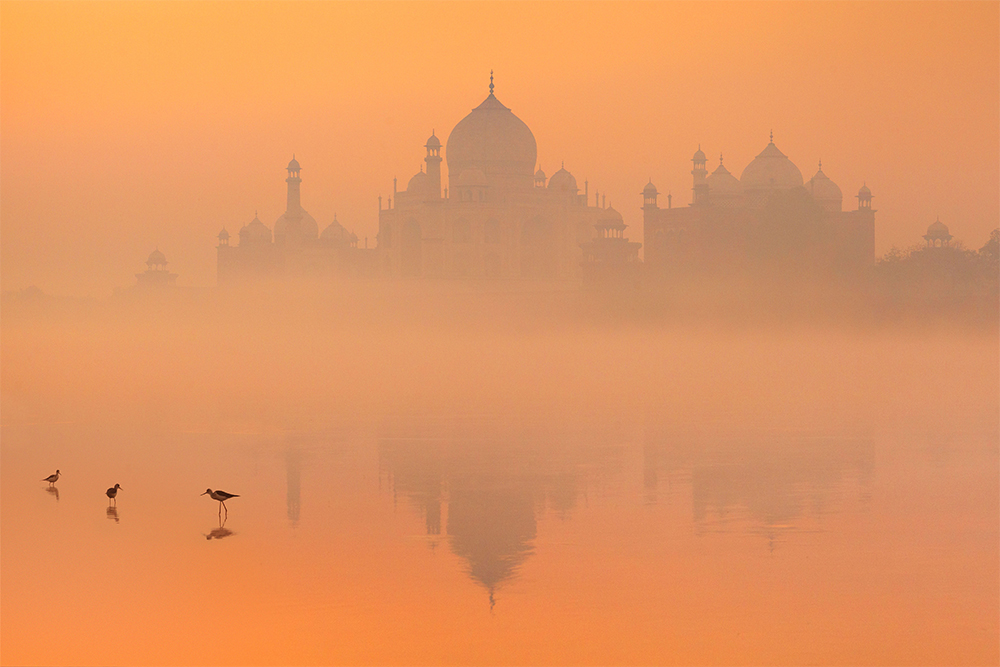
x,y
433,161
649,195
294,181
700,174
864,198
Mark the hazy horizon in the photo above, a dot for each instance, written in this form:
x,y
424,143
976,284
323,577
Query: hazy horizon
x,y
132,126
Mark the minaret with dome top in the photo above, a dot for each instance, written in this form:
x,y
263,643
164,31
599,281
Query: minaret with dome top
x,y
699,196
295,224
433,161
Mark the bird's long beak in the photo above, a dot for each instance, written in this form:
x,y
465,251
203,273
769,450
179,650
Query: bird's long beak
x,y
203,493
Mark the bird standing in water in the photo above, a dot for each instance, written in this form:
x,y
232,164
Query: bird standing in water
x,y
222,497
52,479
113,493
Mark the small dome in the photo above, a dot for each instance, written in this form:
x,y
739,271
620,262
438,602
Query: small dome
x,y
293,165
864,191
611,215
771,170
563,180
334,231
472,178
419,183
649,190
255,232
824,191
433,142
223,234
721,183
937,229
699,156
540,175
156,258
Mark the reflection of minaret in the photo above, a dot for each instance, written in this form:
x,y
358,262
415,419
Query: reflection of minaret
x,y
293,475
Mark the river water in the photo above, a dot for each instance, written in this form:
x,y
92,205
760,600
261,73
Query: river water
x,y
814,529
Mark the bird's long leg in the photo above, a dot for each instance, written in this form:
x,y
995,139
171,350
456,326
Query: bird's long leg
x,y
227,509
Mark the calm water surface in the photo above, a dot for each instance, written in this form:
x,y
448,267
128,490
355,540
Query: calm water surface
x,y
487,539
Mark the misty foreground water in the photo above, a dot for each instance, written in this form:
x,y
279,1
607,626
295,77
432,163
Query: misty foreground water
x,y
490,478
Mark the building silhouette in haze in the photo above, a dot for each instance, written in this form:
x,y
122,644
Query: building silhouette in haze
x,y
767,218
498,217
156,274
295,248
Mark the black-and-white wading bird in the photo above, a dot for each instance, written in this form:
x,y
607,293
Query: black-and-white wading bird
x,y
113,493
222,497
52,479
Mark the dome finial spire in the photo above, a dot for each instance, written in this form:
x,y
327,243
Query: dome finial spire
x,y
772,136
491,82
821,164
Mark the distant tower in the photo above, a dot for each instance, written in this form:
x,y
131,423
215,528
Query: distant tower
x,y
700,174
156,274
937,235
225,258
864,198
433,161
649,194
540,178
294,183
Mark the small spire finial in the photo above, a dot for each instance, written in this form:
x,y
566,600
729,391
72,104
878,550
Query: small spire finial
x,y
562,164
720,159
491,82
821,164
772,136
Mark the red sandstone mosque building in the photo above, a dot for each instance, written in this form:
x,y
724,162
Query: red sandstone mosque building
x,y
768,216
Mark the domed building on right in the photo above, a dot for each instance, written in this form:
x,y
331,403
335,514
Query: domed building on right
x,y
770,217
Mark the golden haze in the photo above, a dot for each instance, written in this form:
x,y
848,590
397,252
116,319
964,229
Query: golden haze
x,y
131,125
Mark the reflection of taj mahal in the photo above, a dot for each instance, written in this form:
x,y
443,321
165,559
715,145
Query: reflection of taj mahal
x,y
498,217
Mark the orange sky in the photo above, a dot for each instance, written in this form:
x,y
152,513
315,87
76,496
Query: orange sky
x,y
131,125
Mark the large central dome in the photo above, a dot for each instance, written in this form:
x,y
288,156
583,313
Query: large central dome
x,y
495,141
771,170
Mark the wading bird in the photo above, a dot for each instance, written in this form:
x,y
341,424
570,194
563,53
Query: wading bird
x,y
52,479
113,493
222,497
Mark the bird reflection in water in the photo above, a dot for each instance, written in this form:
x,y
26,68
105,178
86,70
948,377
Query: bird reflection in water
x,y
113,513
53,491
220,532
